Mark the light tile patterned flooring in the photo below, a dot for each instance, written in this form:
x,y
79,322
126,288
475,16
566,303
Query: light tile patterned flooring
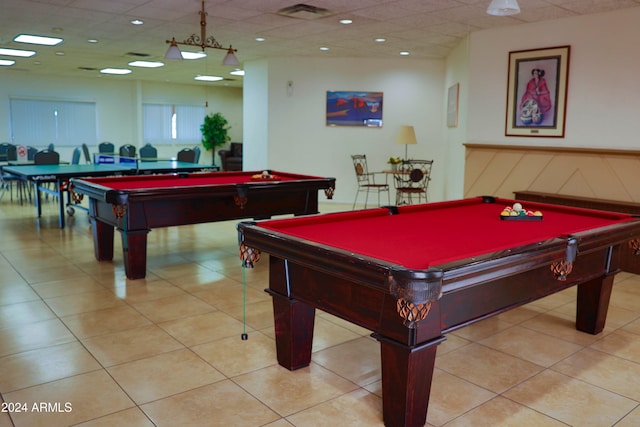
x,y
166,351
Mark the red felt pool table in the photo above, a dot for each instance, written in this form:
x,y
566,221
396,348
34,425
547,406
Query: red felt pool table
x,y
136,204
414,273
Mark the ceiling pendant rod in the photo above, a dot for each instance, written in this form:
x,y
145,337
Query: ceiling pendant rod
x,y
203,42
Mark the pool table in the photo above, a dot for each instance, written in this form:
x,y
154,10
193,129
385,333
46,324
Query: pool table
x,y
136,204
411,274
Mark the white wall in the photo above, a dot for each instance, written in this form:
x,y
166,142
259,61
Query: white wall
x,y
256,109
298,139
457,71
603,87
119,106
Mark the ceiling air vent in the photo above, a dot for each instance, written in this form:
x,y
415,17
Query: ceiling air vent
x,y
304,11
139,55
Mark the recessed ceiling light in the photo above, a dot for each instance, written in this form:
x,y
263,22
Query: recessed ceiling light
x,y
115,71
6,62
193,55
346,21
260,39
41,40
324,48
60,53
380,40
208,78
146,64
16,52
404,53
92,41
137,22
237,72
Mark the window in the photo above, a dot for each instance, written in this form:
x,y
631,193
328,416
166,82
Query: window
x,y
172,124
39,122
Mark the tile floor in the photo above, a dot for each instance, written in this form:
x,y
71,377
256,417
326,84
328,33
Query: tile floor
x,y
98,350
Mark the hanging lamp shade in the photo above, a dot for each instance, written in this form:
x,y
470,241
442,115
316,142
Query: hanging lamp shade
x,y
174,51
230,58
503,8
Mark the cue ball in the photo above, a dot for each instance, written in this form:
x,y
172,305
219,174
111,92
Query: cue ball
x,y
517,207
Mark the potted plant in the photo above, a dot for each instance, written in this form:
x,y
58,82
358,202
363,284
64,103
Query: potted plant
x,y
394,162
215,133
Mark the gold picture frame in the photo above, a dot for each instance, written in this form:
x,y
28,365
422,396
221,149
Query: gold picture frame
x,y
537,92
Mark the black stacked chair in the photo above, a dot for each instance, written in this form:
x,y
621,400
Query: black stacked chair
x,y
148,152
106,147
127,150
85,152
187,155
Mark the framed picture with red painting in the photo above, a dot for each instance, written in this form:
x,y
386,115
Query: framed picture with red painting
x,y
537,92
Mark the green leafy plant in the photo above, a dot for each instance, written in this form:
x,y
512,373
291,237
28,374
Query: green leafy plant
x,y
215,132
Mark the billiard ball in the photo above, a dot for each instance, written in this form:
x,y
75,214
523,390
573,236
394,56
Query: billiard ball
x,y
517,206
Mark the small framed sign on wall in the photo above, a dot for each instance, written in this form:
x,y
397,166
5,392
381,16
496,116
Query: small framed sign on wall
x,y
452,105
537,92
350,108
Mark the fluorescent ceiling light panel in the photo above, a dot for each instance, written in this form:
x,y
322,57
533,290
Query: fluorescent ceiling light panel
x,y
41,40
237,73
193,55
6,62
208,78
147,64
16,52
115,71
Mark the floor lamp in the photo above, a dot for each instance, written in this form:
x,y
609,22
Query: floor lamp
x,y
407,136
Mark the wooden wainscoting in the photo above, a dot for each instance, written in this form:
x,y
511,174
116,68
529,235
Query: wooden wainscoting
x,y
500,170
590,178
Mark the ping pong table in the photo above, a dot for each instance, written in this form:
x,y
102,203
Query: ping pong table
x,y
60,174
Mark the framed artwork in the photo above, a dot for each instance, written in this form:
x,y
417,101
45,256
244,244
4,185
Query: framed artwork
x,y
537,92
452,105
349,108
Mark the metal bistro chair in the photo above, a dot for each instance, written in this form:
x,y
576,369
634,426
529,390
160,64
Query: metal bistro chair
x,y
411,180
367,180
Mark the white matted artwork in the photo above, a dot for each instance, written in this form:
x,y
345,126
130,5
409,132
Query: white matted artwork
x,y
452,105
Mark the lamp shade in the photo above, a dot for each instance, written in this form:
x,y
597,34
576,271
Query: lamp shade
x,y
503,8
230,58
174,51
406,135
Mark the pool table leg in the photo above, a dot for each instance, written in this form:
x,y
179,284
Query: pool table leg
x,y
134,250
593,304
407,373
102,239
294,321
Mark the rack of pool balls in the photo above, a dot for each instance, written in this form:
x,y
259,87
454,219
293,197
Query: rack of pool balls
x,y
264,176
517,212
